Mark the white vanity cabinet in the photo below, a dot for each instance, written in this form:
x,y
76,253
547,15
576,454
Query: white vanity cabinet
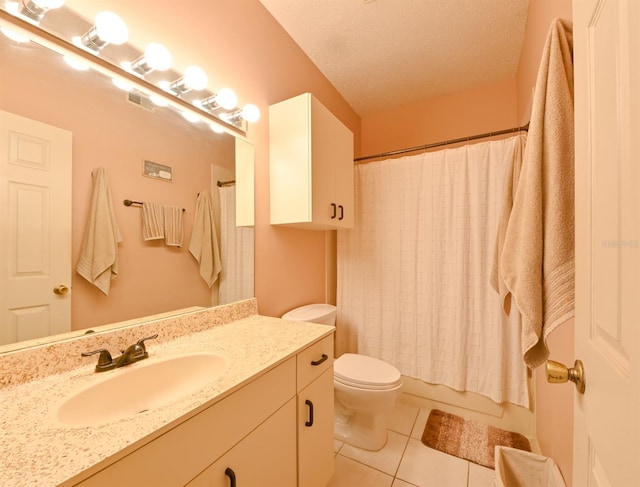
x,y
262,434
315,414
311,166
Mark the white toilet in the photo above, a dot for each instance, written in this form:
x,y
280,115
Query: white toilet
x,y
364,387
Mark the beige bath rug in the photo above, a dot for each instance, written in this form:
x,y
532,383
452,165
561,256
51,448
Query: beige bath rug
x,y
468,439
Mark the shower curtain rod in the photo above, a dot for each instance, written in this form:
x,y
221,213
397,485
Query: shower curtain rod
x,y
524,128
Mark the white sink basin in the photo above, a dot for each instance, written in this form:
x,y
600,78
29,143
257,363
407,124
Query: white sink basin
x,y
140,387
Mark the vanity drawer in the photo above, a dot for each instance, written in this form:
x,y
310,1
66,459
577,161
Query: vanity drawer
x,y
311,361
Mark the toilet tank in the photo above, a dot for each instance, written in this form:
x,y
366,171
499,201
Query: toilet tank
x,y
315,313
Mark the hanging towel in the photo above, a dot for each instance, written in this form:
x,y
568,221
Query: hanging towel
x,y
204,241
98,262
152,221
172,226
537,258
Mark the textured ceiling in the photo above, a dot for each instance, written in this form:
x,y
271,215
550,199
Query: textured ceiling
x,y
385,53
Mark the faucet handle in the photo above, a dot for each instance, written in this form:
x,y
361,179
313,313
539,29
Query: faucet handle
x,y
142,340
103,360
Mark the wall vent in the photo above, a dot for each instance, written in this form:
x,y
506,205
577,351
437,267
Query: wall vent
x,y
141,101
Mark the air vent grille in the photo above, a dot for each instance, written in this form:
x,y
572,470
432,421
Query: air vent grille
x,y
141,101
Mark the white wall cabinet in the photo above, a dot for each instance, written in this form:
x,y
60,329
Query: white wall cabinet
x,y
257,436
311,166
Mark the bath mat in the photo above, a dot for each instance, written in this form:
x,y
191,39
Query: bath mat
x,y
468,439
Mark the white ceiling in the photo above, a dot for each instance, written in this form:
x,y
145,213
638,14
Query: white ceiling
x,y
385,53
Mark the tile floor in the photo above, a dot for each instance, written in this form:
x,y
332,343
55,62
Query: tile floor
x,y
405,461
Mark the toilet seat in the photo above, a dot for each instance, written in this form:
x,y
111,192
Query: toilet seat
x,y
363,372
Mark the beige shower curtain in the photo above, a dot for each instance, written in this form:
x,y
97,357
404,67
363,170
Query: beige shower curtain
x,y
413,275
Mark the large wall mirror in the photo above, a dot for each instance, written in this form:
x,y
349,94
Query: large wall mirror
x,y
112,129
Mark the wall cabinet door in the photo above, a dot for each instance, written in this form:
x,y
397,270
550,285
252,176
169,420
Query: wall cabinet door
x,y
315,432
265,457
311,166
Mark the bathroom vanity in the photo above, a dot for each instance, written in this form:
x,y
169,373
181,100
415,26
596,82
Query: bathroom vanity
x,y
266,417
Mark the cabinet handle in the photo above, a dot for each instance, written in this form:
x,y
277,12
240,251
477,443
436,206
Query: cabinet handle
x,y
310,422
232,476
341,212
334,208
318,362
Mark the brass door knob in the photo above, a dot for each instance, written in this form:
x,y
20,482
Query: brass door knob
x,y
60,290
558,373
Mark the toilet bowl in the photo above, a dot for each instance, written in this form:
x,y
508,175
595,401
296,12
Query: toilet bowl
x,y
365,388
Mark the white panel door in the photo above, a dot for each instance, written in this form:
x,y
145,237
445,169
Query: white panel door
x,y
35,229
607,68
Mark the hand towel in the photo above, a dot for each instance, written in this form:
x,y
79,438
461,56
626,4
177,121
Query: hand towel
x,y
98,262
537,257
152,221
204,241
172,226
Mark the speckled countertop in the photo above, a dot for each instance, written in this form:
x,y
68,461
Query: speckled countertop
x,y
36,449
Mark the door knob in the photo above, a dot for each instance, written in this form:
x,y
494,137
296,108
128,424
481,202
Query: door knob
x,y
60,290
558,373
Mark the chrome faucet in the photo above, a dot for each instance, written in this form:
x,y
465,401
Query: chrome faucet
x,y
133,353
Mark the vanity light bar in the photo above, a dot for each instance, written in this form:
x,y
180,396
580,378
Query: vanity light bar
x,y
64,48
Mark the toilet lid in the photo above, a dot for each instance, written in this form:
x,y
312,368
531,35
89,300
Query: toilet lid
x,y
368,371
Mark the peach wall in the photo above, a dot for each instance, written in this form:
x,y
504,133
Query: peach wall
x,y
479,110
240,45
108,131
553,402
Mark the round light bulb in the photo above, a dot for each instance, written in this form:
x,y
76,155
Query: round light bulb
x,y
13,36
76,64
227,99
48,4
250,113
111,28
195,78
191,117
158,57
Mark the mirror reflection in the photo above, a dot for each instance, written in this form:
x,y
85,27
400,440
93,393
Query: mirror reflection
x,y
110,129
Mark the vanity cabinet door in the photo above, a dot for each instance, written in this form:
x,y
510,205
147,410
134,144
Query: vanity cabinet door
x,y
315,432
266,457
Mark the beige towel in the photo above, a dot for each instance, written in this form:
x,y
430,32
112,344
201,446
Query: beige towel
x,y
173,234
204,241
511,184
152,221
537,258
98,262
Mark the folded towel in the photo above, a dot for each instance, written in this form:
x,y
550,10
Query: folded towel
x,y
173,226
98,262
204,241
152,221
537,257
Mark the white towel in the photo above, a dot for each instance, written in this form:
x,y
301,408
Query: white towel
x,y
204,241
173,234
152,221
98,262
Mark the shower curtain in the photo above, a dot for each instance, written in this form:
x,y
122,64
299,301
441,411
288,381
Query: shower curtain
x,y
413,275
236,252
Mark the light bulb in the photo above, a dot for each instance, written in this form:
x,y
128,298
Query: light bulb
x,y
48,4
250,113
111,28
13,36
195,78
158,56
227,99
76,63
191,117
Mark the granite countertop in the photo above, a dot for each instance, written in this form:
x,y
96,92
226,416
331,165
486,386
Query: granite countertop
x,y
36,449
